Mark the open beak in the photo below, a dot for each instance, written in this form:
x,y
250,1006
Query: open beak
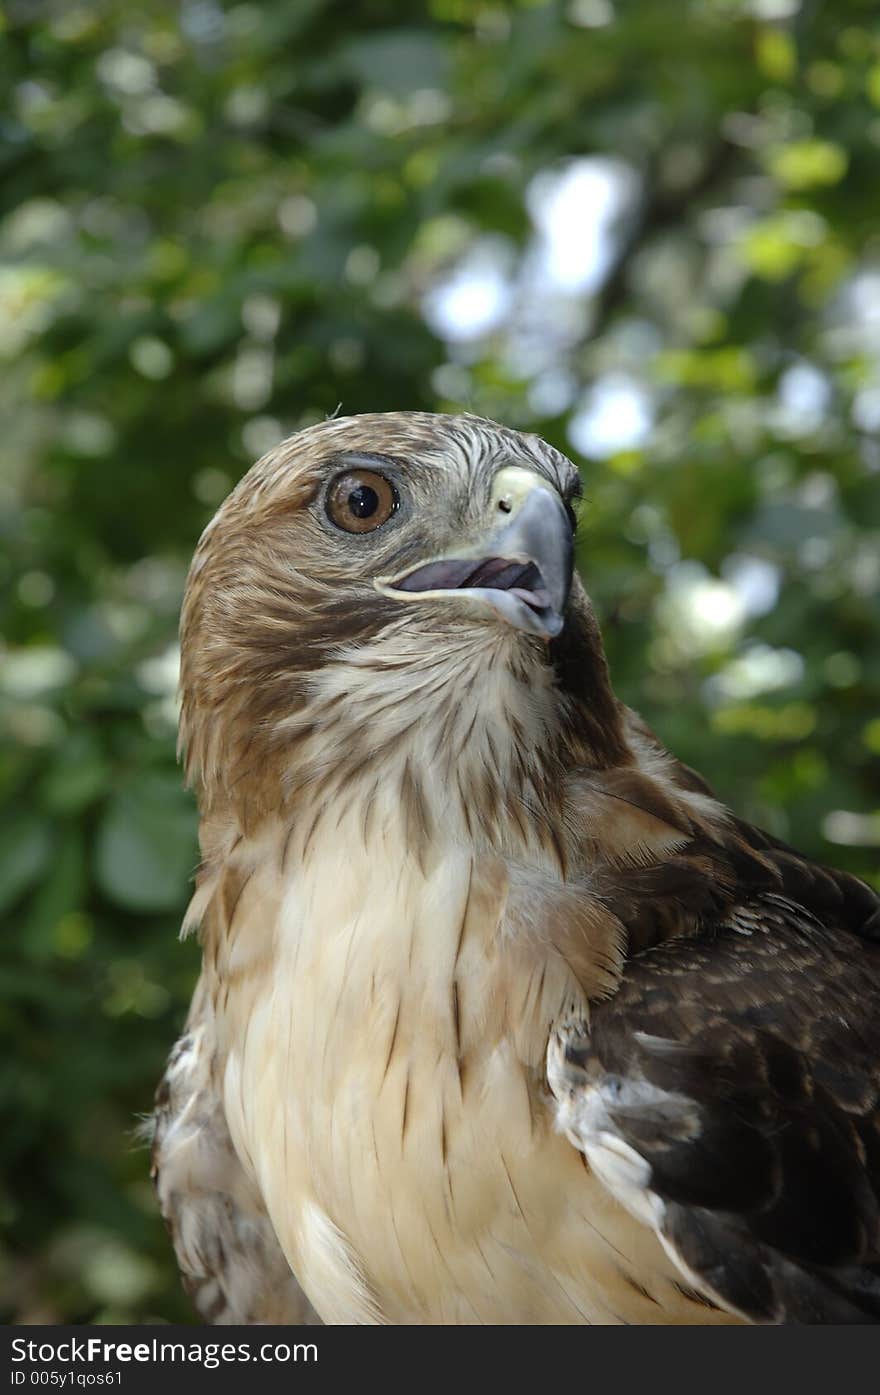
x,y
522,569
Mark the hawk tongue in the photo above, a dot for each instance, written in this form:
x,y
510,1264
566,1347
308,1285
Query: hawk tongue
x,y
457,574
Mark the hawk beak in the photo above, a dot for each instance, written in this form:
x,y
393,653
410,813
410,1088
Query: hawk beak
x,y
522,570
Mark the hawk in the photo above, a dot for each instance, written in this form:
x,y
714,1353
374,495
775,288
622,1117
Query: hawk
x,y
503,1017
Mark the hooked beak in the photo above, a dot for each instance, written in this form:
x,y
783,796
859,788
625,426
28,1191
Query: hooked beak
x,y
522,570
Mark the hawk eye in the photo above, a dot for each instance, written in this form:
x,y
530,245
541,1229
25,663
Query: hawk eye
x,y
361,500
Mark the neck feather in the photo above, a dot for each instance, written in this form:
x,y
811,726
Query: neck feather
x,y
470,734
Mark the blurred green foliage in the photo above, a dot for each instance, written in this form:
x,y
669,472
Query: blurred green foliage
x,y
219,221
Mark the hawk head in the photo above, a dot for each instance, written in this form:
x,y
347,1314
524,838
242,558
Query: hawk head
x,y
377,579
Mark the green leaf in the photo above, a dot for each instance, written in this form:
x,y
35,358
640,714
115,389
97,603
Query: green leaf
x,y
146,849
776,54
806,164
25,849
78,776
398,61
61,891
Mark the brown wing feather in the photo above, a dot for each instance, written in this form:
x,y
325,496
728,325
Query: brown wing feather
x,y
729,1093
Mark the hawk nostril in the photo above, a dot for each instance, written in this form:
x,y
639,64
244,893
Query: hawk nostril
x,y
505,505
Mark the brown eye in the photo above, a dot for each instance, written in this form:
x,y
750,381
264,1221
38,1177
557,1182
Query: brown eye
x,y
361,500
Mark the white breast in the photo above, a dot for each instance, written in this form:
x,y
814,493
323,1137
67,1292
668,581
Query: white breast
x,y
384,1086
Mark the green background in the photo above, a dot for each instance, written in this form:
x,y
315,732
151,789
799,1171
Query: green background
x,y
220,221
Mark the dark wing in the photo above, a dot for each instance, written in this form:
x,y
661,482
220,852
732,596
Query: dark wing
x,y
230,1262
729,1096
